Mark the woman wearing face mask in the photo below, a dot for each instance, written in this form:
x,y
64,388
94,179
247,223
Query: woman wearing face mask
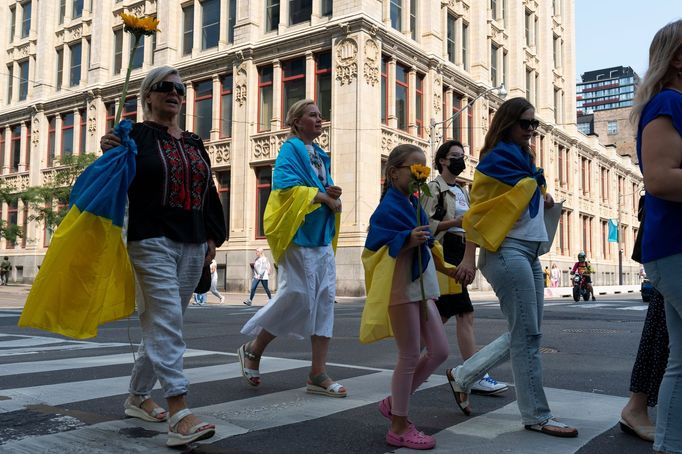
x,y
446,207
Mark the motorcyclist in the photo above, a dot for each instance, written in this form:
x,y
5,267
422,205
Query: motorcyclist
x,y
584,268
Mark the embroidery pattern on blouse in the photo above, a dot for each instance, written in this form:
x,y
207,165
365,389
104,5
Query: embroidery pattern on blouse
x,y
186,174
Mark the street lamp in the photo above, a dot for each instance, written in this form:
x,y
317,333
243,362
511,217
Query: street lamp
x,y
501,92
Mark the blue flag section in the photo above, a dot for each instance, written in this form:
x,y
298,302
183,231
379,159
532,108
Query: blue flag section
x,y
613,231
86,278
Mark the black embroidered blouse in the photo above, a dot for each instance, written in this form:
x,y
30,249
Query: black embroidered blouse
x,y
173,194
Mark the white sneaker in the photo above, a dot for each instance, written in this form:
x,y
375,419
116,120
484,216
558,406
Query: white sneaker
x,y
488,386
247,302
222,299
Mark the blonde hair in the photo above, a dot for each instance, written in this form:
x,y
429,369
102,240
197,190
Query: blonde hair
x,y
154,76
504,120
295,113
397,158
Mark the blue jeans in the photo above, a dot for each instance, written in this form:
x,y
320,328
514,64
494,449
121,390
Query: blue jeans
x,y
254,284
515,274
665,275
167,273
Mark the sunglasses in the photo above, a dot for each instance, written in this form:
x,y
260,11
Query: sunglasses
x,y
167,86
529,124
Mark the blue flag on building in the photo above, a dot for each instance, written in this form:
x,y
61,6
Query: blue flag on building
x,y
613,231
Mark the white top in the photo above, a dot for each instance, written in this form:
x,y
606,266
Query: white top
x,y
461,206
261,268
530,229
317,164
213,267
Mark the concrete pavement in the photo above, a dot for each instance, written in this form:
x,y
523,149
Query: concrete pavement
x,y
14,296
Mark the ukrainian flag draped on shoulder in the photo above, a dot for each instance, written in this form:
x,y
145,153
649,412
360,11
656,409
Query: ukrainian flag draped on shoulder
x,y
290,214
506,184
390,227
86,278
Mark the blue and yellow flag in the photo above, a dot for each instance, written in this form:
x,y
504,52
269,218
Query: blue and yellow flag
x,y
86,278
506,184
390,227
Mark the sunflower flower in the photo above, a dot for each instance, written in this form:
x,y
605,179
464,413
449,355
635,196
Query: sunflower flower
x,y
138,27
419,187
420,172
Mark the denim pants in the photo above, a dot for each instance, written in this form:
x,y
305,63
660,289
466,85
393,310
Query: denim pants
x,y
254,285
167,273
515,274
665,275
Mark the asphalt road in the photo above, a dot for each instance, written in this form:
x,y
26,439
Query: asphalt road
x,y
58,395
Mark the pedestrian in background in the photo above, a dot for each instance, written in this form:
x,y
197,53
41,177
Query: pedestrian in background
x,y
5,268
394,296
555,275
506,219
261,272
301,225
547,278
175,224
657,112
214,281
446,207
199,299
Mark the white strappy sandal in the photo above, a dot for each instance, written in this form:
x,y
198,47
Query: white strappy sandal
x,y
200,431
133,408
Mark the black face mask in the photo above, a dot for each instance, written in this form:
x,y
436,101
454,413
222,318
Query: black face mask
x,y
456,165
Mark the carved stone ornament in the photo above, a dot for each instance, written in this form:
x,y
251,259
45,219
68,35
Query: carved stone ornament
x,y
346,61
220,153
240,86
92,118
35,132
371,66
17,182
437,95
266,148
323,140
75,33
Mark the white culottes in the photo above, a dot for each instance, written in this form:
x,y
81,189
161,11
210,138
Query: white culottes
x,y
304,303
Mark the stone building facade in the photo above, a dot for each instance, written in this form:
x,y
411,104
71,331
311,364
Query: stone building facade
x,y
382,71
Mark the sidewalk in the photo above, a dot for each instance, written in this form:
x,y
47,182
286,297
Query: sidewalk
x,y
14,296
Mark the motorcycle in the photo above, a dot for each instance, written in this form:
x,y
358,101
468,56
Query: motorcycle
x,y
580,288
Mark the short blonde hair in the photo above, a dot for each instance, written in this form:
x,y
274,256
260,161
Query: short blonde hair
x,y
154,76
295,113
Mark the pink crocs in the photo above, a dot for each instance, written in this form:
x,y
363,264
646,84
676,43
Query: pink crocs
x,y
412,439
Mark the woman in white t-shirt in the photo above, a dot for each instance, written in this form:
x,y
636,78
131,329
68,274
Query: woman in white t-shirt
x,y
261,274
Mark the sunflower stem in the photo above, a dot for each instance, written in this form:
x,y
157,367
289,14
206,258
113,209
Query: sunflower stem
x,y
422,304
124,91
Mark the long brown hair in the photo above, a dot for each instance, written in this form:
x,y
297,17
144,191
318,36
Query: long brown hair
x,y
397,158
503,121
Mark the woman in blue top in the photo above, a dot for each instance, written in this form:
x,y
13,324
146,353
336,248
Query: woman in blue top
x,y
658,114
301,225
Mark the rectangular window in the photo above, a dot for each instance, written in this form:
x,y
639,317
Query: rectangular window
x,y
397,14
62,11
67,134
224,182
528,24
23,80
323,84
10,82
384,91
15,152
465,44
493,64
210,23
271,15
493,8
12,23
231,19
264,98
402,90
529,81
187,29
118,50
77,9
226,106
51,138
138,55
75,75
413,19
111,114
451,37
300,11
555,51
419,104
470,129
26,19
327,7
557,105
263,185
203,108
60,68
12,219
293,83
130,110
2,148
612,127
83,131
457,102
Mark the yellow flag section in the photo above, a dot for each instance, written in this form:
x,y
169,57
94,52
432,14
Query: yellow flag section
x,y
495,208
379,268
85,280
285,212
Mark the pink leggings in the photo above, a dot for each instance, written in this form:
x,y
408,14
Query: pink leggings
x,y
413,368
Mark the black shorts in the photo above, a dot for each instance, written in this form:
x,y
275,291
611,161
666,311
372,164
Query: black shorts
x,y
450,305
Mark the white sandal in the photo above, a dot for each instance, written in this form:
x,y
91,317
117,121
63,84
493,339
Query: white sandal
x,y
252,376
314,386
200,431
133,408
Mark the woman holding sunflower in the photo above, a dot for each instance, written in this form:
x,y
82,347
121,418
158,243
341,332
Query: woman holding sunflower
x,y
402,285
